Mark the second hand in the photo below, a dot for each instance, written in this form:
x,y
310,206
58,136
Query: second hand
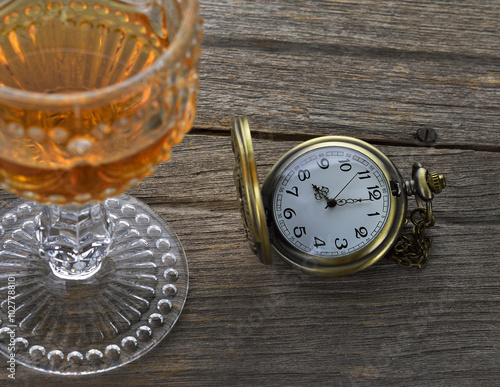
x,y
346,186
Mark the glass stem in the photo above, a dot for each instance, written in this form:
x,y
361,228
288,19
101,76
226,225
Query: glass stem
x,y
74,240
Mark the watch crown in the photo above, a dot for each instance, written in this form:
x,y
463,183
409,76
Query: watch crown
x,y
436,182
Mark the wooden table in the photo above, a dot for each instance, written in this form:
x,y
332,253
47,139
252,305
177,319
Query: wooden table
x,y
418,79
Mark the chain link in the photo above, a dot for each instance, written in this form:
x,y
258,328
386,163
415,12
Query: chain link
x,y
413,250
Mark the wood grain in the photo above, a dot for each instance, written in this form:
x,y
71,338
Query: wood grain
x,y
374,70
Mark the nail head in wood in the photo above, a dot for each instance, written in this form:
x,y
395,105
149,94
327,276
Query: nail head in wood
x,y
427,135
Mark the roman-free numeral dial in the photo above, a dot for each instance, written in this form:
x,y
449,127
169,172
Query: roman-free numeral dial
x,y
331,201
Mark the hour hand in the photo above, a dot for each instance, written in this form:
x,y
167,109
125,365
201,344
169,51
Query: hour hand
x,y
320,193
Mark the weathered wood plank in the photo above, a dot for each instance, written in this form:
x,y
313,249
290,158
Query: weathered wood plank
x,y
426,26
389,102
377,70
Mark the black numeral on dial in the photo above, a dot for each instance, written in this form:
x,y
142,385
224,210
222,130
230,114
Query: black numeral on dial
x,y
289,213
364,175
319,242
346,167
294,191
304,174
299,231
374,193
361,232
323,164
341,244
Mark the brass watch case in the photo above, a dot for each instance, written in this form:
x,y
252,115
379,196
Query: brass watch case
x,y
258,215
358,260
247,187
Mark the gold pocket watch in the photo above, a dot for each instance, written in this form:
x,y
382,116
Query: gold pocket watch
x,y
333,205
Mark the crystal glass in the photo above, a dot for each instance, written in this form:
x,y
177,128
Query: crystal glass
x,y
93,95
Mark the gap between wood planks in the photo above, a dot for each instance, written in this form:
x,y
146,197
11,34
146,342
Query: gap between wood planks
x,y
328,48
274,136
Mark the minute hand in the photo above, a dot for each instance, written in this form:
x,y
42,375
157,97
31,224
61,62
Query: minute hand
x,y
345,186
343,202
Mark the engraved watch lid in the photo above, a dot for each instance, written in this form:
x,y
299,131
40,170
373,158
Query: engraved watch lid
x,y
247,186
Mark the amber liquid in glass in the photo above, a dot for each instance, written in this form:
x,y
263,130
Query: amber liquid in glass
x,y
89,153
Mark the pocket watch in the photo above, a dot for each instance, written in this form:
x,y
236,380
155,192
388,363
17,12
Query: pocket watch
x,y
333,205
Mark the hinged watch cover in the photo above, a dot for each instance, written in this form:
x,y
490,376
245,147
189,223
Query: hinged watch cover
x,y
247,186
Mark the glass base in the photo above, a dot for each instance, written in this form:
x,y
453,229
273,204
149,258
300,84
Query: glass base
x,y
75,327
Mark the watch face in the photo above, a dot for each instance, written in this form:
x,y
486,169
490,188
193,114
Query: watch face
x,y
332,200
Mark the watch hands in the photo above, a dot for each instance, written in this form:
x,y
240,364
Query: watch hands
x,y
349,182
322,193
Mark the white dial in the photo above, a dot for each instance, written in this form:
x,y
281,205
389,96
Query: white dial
x,y
331,201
